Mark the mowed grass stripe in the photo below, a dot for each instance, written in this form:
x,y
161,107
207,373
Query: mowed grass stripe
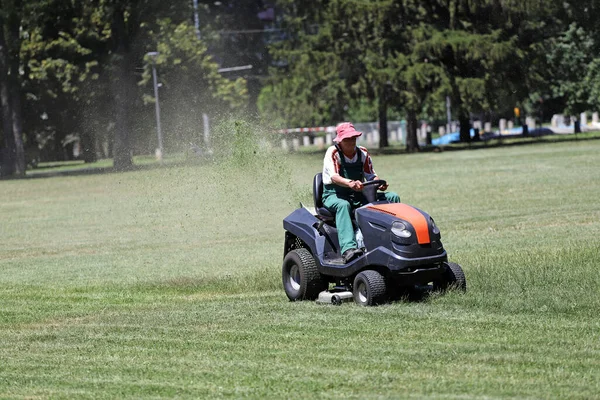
x,y
418,344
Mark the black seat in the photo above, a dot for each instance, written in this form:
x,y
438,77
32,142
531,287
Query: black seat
x,y
322,212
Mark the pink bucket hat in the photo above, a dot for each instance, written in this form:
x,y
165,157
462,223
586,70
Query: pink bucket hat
x,y
345,130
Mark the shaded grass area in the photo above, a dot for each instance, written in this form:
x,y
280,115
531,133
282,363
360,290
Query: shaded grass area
x,y
166,283
103,166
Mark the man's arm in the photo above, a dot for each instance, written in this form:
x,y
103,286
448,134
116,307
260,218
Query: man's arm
x,y
331,174
340,180
370,173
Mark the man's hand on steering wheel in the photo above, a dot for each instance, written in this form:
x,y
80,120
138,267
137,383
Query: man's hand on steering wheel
x,y
380,183
357,186
383,187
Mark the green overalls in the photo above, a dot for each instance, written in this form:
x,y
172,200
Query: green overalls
x,y
342,200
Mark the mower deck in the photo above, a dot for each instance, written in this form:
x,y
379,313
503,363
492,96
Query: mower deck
x,y
335,297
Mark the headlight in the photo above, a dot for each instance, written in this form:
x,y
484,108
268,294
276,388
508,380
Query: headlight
x,y
399,229
434,227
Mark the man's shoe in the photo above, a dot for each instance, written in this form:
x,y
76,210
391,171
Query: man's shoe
x,y
347,256
351,254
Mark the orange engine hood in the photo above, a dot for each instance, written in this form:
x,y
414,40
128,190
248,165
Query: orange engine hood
x,y
408,214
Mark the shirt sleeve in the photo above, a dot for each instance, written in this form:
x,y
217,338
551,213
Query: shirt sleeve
x,y
330,165
368,166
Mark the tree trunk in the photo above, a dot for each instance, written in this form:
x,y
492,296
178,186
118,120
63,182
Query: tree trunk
x,y
412,144
121,145
57,141
10,88
465,128
383,122
7,154
7,166
88,146
17,117
122,91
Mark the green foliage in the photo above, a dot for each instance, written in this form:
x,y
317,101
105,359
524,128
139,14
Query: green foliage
x,y
298,99
186,66
333,60
337,53
61,54
70,52
592,81
474,47
574,69
363,110
488,56
191,84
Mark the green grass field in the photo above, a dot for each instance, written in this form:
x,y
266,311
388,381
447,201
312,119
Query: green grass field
x,y
165,282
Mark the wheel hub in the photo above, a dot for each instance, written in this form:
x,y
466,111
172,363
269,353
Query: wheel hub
x,y
362,292
295,277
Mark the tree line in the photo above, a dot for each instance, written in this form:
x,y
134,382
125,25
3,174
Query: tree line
x,y
346,58
79,73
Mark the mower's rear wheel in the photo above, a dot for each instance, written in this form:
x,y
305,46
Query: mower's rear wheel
x,y
369,288
300,276
454,278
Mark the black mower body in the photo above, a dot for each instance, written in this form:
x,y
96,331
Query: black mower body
x,y
411,259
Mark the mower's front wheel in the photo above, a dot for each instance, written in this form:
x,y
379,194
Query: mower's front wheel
x,y
454,278
369,288
300,276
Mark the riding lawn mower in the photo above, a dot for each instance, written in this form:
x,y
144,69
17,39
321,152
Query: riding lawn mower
x,y
402,250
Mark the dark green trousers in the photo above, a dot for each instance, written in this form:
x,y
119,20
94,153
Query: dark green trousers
x,y
342,206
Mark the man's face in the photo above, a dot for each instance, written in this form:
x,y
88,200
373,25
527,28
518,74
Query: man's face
x,y
348,144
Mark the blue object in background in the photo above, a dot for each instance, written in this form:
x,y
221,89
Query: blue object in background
x,y
453,137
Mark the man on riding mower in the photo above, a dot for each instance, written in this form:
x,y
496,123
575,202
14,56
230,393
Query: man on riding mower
x,y
345,168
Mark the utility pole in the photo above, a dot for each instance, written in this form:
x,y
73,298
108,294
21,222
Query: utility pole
x,y
448,114
196,19
159,151
239,68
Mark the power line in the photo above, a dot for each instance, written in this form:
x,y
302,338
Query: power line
x,y
249,31
240,68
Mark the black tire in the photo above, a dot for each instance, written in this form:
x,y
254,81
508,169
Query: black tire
x,y
300,276
369,288
336,300
454,278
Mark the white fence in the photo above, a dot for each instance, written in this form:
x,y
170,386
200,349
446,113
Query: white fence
x,y
322,137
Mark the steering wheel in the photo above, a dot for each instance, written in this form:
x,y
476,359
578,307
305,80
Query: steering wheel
x,y
377,182
370,189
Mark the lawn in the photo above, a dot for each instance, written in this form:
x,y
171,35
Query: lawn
x,y
165,282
